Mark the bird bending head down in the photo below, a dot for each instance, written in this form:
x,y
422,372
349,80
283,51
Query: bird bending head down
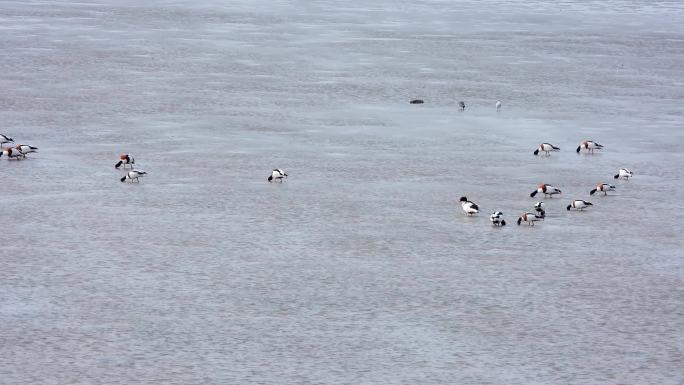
x,y
277,174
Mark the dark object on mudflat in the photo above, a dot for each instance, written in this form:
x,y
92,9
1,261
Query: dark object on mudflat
x,y
417,101
461,105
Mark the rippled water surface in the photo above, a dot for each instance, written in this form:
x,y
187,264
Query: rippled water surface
x,y
361,268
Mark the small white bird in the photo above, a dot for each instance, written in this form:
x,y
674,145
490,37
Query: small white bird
x,y
578,204
529,218
547,148
277,174
539,208
602,187
623,174
12,153
125,159
498,105
461,105
133,175
547,189
497,219
469,207
589,145
5,139
25,149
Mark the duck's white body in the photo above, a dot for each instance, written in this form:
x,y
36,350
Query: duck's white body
x,y
134,175
623,174
546,189
497,219
498,105
469,207
277,174
602,187
578,204
530,218
546,148
25,148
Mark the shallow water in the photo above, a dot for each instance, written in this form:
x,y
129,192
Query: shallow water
x,y
361,268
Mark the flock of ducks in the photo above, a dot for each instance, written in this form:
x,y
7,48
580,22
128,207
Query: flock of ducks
x,y
17,152
127,162
548,190
135,175
470,208
589,146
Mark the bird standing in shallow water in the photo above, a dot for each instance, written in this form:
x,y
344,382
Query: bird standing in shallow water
x,y
133,175
547,148
497,219
530,218
578,204
498,105
602,187
623,174
125,159
277,174
547,189
539,208
469,207
461,105
589,145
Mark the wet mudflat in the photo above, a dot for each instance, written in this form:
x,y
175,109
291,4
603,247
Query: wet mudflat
x,y
361,268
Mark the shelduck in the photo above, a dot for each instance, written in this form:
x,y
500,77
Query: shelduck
x,y
589,145
5,139
602,187
497,219
546,148
530,218
578,204
133,175
12,153
547,189
469,207
277,174
125,159
539,208
623,174
25,149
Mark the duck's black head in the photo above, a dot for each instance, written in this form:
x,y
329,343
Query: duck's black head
x,y
464,199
